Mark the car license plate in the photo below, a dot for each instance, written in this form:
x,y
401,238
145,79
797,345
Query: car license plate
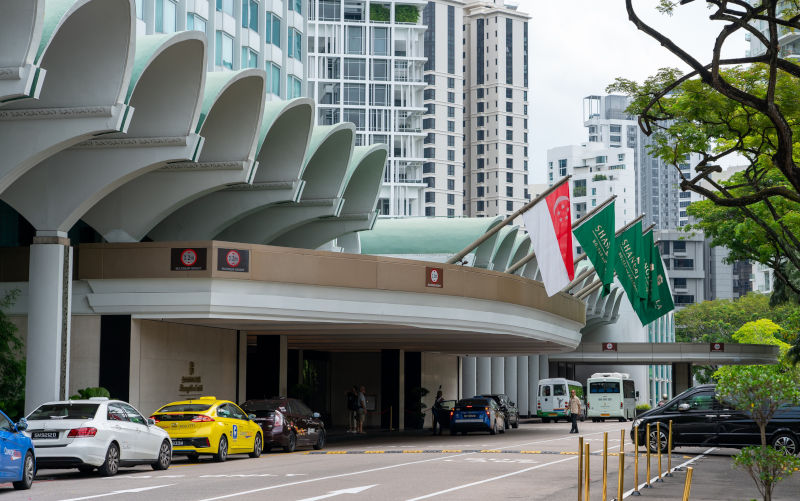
x,y
177,443
44,434
470,415
312,430
605,414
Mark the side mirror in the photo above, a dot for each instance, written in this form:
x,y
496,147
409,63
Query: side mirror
x,y
151,422
316,415
251,417
637,393
22,425
684,407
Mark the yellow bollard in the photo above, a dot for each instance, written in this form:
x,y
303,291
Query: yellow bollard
x,y
658,446
586,473
621,474
669,451
580,468
636,462
687,485
647,447
605,465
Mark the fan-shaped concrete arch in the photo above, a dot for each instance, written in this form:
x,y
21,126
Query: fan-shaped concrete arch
x,y
283,138
324,173
505,244
20,32
363,183
521,248
87,49
165,90
233,105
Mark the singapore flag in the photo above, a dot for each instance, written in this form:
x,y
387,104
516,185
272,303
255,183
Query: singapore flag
x,y
549,225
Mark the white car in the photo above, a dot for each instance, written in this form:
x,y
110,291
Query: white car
x,y
96,433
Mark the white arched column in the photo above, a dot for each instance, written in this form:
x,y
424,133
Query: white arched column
x,y
523,392
498,375
510,377
533,383
468,377
483,375
20,33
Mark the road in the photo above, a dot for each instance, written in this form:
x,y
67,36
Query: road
x,y
536,461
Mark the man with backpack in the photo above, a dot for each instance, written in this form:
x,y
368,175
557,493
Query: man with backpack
x,y
352,409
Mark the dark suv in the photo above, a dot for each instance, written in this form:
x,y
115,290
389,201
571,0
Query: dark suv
x,y
508,407
699,419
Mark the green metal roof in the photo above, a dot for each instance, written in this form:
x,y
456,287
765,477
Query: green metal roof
x,y
216,83
54,11
424,235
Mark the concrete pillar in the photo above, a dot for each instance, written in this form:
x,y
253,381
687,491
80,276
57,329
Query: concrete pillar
x,y
134,374
533,383
681,376
242,373
283,366
544,367
483,376
522,386
49,313
468,375
510,377
498,375
401,416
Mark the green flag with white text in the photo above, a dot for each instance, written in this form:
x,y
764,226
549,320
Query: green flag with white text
x,y
659,301
645,266
628,265
596,236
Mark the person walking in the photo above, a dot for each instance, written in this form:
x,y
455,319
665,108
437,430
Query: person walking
x,y
362,408
435,410
352,410
574,407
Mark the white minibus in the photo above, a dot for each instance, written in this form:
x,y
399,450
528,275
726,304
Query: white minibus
x,y
553,396
610,395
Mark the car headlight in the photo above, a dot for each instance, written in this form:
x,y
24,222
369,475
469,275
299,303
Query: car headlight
x,y
637,422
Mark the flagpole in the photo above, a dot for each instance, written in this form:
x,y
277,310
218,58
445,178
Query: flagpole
x,y
458,257
581,294
648,228
580,277
514,267
616,234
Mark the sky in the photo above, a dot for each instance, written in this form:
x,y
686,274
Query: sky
x,y
578,47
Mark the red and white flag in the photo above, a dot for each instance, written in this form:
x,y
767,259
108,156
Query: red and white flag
x,y
549,224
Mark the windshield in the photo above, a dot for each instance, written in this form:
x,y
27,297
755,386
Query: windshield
x,y
473,402
262,405
64,411
559,390
604,387
184,408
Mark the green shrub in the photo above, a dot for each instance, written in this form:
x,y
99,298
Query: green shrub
x,y
643,407
87,393
599,177
378,12
406,14
767,466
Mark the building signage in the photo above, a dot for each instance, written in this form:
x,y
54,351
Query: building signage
x,y
717,346
434,277
188,259
609,346
233,260
191,383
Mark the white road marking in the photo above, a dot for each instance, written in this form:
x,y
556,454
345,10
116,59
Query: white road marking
x,y
125,491
251,491
238,475
352,490
686,463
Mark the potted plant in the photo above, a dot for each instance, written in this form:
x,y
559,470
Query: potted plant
x,y
640,408
416,408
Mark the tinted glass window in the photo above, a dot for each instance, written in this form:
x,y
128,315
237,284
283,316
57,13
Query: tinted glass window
x,y
223,411
116,413
301,408
261,405
5,424
236,412
604,387
474,402
629,389
65,411
184,408
559,390
544,391
702,401
133,415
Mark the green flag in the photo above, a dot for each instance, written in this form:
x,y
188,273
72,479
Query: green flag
x,y
596,236
645,266
628,265
659,301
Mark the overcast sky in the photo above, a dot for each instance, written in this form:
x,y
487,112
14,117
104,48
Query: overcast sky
x,y
578,47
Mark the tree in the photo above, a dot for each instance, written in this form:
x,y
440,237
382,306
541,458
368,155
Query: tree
x,y
746,107
12,362
759,391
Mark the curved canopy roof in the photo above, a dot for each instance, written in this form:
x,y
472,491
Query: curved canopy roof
x,y
424,235
20,32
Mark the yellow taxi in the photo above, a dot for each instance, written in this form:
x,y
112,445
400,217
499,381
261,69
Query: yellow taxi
x,y
207,425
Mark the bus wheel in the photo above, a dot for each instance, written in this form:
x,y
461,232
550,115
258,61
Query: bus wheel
x,y
545,420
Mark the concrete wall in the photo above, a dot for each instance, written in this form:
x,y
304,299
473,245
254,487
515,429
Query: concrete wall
x,y
348,369
84,352
161,353
438,369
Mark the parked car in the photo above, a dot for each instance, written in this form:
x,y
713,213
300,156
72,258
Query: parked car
x,y
476,414
508,407
17,456
96,433
700,419
207,425
287,423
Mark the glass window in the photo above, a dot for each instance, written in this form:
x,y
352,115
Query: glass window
x,y
380,69
249,58
358,117
603,387
274,74
355,40
224,50
276,31
64,411
354,94
133,414
250,14
330,10
166,16
380,41
115,413
5,424
451,126
354,69
225,6
194,22
294,87
380,95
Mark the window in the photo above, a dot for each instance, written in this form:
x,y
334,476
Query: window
x,y
430,182
330,116
296,5
451,126
683,299
509,107
193,22
429,37
224,50
479,52
679,283
679,246
272,30
249,58
451,170
354,69
140,15
509,163
509,177
358,117
451,97
480,135
295,44
451,140
509,191
509,135
354,94
250,14
509,205
451,155
509,51
480,191
451,83
429,94
479,177
380,95
579,188
451,199
380,69
451,184
481,121
225,6
480,206
509,149
330,10
480,163
274,75
601,159
133,416
480,149
294,87
683,264
166,16
430,197
430,138
429,152
428,168
430,211
480,106
480,93
451,39
380,41
355,40
451,112
509,121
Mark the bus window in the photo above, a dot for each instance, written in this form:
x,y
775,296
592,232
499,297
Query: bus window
x,y
559,390
604,387
628,389
544,390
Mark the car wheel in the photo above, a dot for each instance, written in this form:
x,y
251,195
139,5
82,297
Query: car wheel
x,y
28,472
786,443
292,444
222,450
110,466
654,439
493,431
256,447
85,469
164,456
516,424
545,420
320,440
622,419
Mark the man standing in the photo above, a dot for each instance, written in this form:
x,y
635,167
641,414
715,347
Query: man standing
x,y
352,410
435,410
574,407
362,408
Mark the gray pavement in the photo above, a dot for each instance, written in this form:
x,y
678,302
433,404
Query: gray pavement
x,y
536,461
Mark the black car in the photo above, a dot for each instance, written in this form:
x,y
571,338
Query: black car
x,y
508,407
700,419
287,423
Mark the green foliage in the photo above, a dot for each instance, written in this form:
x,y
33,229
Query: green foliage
x,y
378,12
415,409
643,407
12,362
87,393
766,466
599,177
406,14
308,385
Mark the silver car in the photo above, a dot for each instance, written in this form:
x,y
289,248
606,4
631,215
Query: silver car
x,y
97,433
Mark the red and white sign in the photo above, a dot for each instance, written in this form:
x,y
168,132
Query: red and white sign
x,y
609,346
237,260
717,346
188,257
434,277
549,224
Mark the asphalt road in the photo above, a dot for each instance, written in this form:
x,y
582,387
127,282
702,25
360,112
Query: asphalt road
x,y
536,461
